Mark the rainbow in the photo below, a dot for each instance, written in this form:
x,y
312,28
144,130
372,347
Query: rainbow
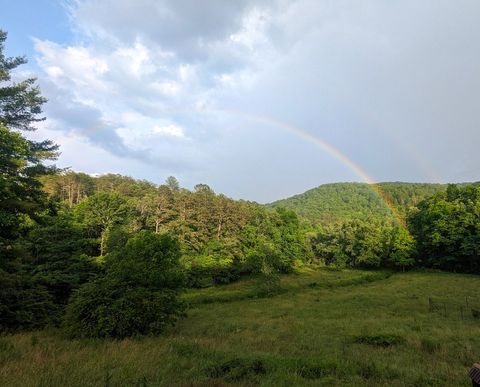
x,y
328,148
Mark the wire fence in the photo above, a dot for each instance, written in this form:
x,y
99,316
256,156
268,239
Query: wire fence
x,y
465,310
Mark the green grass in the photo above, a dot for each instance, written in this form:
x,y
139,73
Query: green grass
x,y
331,328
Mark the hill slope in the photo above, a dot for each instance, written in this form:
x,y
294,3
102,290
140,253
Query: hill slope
x,y
343,201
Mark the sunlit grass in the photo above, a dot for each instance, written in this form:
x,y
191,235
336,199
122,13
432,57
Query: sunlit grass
x,y
325,328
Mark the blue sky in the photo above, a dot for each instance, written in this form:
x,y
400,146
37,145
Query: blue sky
x,y
25,19
206,90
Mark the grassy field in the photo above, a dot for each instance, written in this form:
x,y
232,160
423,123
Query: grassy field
x,y
331,328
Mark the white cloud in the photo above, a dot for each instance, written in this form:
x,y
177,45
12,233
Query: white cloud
x,y
394,92
137,59
169,130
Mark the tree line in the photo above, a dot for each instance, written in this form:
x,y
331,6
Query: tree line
x,y
108,256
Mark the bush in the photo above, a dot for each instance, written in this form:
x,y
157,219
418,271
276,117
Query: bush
x,y
205,276
105,308
24,304
138,294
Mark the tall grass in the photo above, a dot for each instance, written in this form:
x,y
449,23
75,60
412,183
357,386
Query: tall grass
x,y
331,328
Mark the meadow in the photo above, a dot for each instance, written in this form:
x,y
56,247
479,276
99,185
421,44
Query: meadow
x,y
322,327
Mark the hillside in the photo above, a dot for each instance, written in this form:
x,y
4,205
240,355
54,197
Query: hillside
x,y
343,201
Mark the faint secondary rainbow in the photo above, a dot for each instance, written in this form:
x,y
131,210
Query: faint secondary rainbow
x,y
331,150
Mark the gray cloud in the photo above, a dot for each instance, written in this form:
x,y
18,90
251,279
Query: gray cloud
x,y
393,85
184,27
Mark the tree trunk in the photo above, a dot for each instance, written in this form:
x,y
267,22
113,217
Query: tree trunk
x,y
102,242
219,229
70,196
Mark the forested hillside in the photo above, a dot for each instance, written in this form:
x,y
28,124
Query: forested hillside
x,y
339,202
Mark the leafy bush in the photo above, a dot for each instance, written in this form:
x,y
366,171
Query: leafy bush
x,y
104,308
205,276
137,296
24,304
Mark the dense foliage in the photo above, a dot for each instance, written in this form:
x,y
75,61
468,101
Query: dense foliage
x,y
109,255
220,238
361,244
138,294
23,302
447,229
340,202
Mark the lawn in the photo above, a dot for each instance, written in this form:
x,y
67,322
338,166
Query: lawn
x,y
325,327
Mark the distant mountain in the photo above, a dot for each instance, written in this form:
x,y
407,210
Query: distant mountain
x,y
338,202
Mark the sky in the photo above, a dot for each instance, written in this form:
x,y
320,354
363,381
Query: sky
x,y
258,99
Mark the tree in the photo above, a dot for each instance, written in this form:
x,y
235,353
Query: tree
x,y
172,183
137,296
102,211
20,103
60,253
158,208
353,243
21,160
401,249
447,229
23,304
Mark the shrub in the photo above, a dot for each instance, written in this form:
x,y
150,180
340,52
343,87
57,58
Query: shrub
x,y
24,304
138,294
205,276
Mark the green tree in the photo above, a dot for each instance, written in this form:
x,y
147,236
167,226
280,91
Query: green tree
x,y
60,259
137,296
23,304
447,229
353,243
172,183
102,211
20,102
401,248
158,208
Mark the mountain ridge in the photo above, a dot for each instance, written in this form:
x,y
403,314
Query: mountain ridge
x,y
337,202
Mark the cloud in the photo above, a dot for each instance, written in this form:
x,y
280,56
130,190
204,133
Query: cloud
x,y
393,85
169,130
